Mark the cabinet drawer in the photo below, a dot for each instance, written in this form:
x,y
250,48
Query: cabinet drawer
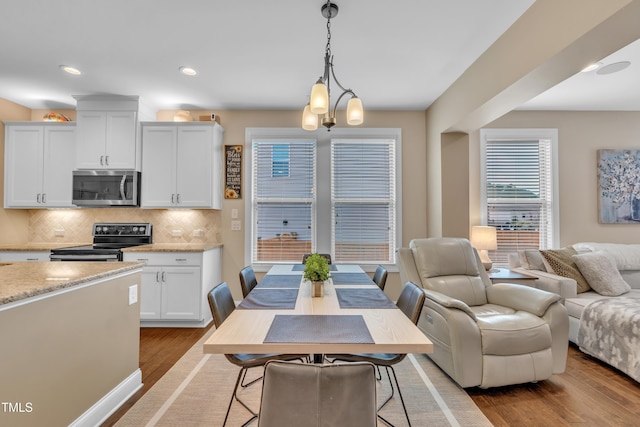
x,y
13,256
165,258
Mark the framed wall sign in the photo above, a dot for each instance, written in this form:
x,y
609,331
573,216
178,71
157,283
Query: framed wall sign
x,y
618,186
233,168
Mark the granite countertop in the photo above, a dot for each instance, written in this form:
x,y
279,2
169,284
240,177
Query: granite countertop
x,y
21,280
174,247
37,246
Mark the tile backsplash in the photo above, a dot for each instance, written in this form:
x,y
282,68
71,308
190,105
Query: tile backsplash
x,y
169,225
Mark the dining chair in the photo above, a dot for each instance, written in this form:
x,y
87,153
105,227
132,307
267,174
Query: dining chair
x,y
248,280
222,305
325,256
380,277
295,394
410,302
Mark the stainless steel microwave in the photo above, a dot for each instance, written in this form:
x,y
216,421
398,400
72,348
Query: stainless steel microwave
x,y
100,188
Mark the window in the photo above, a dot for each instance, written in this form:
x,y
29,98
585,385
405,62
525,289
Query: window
x,y
337,194
519,189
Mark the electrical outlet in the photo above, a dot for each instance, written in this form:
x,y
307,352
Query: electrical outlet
x,y
58,232
235,226
133,294
176,233
198,233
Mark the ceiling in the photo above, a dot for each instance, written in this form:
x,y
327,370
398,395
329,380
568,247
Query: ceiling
x,y
266,54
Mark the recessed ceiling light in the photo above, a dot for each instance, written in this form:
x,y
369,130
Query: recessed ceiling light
x,y
188,71
613,68
71,70
591,67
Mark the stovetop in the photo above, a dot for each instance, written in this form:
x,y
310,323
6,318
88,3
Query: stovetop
x,y
111,237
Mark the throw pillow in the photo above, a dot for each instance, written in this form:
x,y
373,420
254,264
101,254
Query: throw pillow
x,y
601,273
531,259
562,265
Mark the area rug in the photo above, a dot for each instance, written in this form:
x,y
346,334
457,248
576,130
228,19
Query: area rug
x,y
196,391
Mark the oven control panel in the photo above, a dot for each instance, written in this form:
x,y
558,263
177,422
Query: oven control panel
x,y
122,229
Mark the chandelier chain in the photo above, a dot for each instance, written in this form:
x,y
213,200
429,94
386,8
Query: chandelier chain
x,y
328,47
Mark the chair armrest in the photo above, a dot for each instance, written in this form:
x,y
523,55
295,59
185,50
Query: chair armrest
x,y
448,302
563,286
407,267
518,297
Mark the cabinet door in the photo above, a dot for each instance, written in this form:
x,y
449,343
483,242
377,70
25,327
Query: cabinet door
x,y
194,167
181,293
59,150
120,152
22,256
158,166
151,293
23,166
92,138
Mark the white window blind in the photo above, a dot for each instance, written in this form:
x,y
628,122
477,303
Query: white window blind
x,y
283,182
363,200
519,192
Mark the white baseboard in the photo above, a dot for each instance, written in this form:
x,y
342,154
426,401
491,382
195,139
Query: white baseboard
x,y
110,402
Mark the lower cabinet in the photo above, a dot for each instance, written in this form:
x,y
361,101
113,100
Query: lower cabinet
x,y
175,285
14,256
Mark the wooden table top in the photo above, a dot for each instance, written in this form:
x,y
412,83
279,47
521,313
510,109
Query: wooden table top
x,y
244,331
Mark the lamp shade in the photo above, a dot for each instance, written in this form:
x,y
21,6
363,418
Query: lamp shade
x,y
309,120
319,100
355,112
484,237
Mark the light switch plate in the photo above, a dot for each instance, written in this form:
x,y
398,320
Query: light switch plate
x,y
234,213
133,294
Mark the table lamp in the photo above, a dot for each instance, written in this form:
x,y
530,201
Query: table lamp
x,y
484,238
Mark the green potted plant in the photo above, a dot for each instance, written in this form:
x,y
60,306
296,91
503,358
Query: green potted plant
x,y
316,270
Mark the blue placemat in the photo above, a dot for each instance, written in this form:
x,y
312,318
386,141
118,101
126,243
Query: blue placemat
x,y
300,267
363,298
270,299
351,279
280,281
319,329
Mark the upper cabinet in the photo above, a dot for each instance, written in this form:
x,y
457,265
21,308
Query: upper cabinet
x,y
39,158
181,165
108,135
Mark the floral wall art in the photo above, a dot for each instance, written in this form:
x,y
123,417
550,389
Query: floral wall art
x,y
619,186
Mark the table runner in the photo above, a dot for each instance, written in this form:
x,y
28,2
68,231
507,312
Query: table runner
x,y
270,299
351,279
280,281
363,298
319,329
300,267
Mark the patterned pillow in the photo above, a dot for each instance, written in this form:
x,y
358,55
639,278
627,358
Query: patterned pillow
x,y
562,265
602,274
531,259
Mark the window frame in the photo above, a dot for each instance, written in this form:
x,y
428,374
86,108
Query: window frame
x,y
322,213
525,135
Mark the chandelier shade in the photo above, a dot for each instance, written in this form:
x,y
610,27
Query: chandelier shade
x,y
320,98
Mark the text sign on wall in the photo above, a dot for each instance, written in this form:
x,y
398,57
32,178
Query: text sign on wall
x,y
233,164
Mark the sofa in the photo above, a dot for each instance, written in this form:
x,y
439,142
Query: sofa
x,y
483,335
601,292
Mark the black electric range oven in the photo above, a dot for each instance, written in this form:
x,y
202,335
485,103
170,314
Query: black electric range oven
x,y
108,241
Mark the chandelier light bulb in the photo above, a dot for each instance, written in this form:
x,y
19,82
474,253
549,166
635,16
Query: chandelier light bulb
x,y
309,120
355,112
319,100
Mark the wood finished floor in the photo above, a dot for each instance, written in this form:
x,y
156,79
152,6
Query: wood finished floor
x,y
589,393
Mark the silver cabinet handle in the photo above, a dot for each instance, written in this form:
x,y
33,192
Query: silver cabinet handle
x,y
38,198
106,160
101,160
181,259
178,198
173,199
164,276
44,197
158,276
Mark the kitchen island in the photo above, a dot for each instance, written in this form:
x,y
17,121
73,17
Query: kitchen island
x,y
69,333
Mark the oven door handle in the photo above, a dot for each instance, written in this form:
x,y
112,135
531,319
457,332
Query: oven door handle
x,y
112,257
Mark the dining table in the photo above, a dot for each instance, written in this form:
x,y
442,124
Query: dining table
x,y
352,316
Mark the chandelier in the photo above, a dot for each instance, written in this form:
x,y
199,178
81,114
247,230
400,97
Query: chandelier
x,y
320,99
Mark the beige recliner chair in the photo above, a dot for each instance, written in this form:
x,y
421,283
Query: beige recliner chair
x,y
483,335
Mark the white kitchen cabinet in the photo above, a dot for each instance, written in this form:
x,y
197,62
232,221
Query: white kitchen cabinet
x,y
106,140
15,256
174,286
182,165
38,164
